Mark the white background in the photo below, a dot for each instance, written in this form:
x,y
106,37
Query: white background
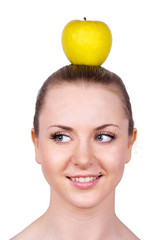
x,y
30,50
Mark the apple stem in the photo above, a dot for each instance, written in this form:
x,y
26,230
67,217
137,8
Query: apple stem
x,y
85,19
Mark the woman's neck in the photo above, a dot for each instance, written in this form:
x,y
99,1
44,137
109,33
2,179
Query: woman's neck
x,y
94,223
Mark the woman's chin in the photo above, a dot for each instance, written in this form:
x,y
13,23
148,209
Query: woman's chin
x,y
86,200
85,205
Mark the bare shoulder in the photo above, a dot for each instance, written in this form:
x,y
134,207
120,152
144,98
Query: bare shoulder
x,y
130,235
31,232
126,233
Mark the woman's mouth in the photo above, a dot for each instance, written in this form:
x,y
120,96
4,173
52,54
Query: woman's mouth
x,y
84,179
84,182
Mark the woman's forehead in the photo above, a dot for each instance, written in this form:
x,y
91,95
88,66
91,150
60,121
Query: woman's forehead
x,y
71,99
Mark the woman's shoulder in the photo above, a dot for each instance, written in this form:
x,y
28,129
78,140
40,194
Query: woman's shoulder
x,y
26,234
130,235
126,233
31,232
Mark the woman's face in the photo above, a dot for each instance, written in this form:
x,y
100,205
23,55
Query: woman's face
x,y
83,143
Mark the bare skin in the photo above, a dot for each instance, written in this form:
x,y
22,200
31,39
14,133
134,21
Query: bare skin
x,y
81,149
72,228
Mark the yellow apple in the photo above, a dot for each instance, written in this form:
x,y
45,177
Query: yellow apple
x,y
86,42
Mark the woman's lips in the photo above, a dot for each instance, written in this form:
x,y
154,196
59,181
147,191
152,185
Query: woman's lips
x,y
84,182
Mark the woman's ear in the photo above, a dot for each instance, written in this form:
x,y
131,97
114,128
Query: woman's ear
x,y
36,145
132,139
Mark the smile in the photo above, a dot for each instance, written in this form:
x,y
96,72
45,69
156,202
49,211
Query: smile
x,y
84,179
84,182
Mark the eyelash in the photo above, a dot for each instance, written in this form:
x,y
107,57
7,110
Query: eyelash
x,y
108,134
57,134
113,136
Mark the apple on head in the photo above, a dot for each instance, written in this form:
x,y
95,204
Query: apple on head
x,y
86,42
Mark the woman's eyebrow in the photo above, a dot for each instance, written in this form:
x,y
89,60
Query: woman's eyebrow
x,y
71,129
63,127
106,125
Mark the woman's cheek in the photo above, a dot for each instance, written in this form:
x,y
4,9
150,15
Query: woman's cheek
x,y
113,161
53,163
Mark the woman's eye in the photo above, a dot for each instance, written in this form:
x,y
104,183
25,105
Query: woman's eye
x,y
104,138
60,138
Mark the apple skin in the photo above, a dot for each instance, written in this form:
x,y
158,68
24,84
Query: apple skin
x,y
86,42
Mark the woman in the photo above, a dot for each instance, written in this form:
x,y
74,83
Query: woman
x,y
83,136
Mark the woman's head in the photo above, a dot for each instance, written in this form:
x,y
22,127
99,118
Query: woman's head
x,y
83,134
89,75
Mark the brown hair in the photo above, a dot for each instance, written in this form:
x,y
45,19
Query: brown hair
x,y
87,74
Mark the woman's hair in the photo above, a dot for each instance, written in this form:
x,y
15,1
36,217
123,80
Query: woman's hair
x,y
89,75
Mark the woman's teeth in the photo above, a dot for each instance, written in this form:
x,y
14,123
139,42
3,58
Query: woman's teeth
x,y
84,179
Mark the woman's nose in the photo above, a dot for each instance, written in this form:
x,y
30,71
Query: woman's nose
x,y
83,156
